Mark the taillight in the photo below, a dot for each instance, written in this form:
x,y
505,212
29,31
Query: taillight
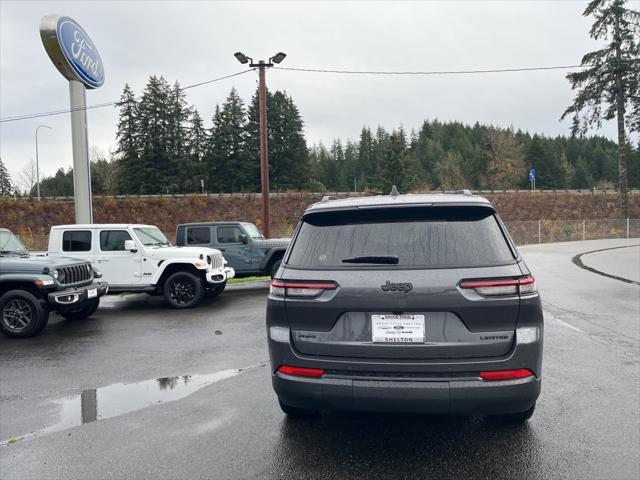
x,y
301,372
282,288
501,286
494,375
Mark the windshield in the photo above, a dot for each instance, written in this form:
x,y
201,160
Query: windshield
x,y
252,230
151,236
410,237
10,243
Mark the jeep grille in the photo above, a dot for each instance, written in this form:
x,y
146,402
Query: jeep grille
x,y
75,274
216,261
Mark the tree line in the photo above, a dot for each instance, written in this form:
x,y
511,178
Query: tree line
x,y
163,147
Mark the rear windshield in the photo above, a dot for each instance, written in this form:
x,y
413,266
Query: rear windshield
x,y
427,237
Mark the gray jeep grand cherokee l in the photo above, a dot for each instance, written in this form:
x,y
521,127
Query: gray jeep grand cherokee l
x,y
405,303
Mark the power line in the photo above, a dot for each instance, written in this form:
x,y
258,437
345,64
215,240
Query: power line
x,y
429,72
108,104
313,70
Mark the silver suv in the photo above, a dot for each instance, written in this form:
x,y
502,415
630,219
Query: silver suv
x,y
405,303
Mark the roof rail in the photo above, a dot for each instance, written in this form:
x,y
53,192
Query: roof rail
x,y
326,198
463,192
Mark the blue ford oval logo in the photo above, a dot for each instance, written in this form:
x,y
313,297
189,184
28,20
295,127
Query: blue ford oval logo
x,y
80,52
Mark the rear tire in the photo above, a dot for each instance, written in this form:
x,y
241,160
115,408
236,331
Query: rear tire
x,y
22,314
213,291
83,312
183,290
519,417
297,412
275,267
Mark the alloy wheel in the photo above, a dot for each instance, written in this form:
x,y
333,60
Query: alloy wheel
x,y
17,314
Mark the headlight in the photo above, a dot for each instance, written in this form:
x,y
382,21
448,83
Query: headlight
x,y
55,274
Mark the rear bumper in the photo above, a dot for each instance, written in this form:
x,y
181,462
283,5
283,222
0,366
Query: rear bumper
x,y
78,295
472,396
436,386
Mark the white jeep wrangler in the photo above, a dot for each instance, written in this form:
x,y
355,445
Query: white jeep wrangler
x,y
139,258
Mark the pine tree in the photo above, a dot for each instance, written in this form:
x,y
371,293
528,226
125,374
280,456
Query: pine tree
x,y
6,186
196,144
127,137
392,167
289,166
177,127
227,163
366,165
155,165
550,173
611,79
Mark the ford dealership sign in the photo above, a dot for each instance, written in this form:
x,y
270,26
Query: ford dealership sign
x,y
71,50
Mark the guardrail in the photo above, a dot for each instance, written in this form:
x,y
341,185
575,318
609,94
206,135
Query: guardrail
x,y
523,232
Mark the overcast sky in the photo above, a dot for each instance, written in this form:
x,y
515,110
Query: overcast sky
x,y
195,41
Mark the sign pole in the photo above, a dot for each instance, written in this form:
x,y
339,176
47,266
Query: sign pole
x,y
80,144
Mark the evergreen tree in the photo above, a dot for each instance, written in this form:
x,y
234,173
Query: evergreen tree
x,y
196,144
6,186
392,167
611,79
228,165
127,138
177,132
366,165
156,160
550,173
288,155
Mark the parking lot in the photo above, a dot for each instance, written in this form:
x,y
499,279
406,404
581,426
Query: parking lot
x,y
140,390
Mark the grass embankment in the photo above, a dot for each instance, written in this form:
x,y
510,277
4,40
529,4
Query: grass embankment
x,y
247,279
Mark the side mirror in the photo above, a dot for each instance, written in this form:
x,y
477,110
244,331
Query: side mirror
x,y
130,245
243,238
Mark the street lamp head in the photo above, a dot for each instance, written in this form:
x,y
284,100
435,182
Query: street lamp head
x,y
242,58
278,57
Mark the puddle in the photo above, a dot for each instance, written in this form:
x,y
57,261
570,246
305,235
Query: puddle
x,y
121,398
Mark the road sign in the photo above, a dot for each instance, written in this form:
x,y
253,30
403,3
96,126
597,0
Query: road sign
x,y
532,175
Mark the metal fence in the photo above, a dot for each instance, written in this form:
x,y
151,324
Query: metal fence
x,y
546,231
523,232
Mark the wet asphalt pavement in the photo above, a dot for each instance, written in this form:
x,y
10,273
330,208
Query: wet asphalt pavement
x,y
142,391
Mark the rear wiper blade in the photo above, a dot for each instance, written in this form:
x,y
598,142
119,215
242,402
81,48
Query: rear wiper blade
x,y
382,259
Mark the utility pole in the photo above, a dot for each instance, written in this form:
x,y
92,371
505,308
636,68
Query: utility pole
x,y
38,162
264,138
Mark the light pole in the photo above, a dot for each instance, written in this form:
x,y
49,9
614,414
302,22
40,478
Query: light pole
x,y
37,162
264,152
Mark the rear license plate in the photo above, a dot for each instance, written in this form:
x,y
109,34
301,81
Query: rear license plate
x,y
92,293
397,328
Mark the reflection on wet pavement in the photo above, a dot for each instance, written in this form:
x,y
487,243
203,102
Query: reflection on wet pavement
x,y
120,398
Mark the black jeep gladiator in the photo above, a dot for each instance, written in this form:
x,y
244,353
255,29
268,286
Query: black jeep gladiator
x,y
32,285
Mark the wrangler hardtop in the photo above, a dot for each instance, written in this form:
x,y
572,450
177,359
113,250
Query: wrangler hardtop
x,y
246,249
140,258
31,286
